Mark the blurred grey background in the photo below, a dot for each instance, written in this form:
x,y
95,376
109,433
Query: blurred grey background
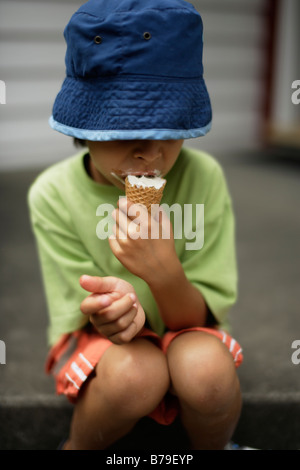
x,y
251,59
250,89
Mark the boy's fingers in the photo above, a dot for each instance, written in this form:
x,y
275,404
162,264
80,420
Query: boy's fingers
x,y
132,210
96,284
121,324
116,310
95,302
120,218
118,233
163,224
124,336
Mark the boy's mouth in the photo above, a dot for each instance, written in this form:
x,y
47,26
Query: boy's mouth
x,y
120,175
139,175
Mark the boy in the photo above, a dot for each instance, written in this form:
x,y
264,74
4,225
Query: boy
x,y
147,339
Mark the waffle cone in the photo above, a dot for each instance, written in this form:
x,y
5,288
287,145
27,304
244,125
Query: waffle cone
x,y
143,195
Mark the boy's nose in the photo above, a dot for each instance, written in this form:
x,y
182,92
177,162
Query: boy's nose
x,y
148,150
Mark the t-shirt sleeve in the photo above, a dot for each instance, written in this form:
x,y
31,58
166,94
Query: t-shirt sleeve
x,y
212,268
63,259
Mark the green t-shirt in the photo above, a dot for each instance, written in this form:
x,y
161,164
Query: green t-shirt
x,y
64,208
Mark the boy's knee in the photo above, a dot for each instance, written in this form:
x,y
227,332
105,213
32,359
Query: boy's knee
x,y
202,371
133,378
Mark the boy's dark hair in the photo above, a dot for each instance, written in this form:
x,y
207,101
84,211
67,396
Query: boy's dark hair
x,y
79,142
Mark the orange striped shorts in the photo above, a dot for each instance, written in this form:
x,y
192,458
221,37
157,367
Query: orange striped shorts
x,y
76,355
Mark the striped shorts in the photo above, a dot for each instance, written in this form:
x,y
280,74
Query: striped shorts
x,y
75,356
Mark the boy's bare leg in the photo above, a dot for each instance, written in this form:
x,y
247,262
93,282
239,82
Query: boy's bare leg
x,y
130,382
204,379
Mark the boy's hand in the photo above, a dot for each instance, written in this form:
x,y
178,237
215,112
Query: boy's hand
x,y
113,308
142,243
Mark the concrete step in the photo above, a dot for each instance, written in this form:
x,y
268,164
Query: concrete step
x,y
268,422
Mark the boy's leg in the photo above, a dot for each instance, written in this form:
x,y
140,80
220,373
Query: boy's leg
x,y
204,379
129,382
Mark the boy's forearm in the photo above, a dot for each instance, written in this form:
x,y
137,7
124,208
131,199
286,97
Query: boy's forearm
x,y
180,304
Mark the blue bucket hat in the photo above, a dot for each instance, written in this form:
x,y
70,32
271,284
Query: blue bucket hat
x,y
133,71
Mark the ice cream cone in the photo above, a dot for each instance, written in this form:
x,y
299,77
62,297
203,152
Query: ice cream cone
x,y
144,190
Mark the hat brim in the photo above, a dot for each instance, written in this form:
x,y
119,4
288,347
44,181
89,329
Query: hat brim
x,y
132,108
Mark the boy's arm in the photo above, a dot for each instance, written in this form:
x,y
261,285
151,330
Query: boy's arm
x,y
63,259
180,303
